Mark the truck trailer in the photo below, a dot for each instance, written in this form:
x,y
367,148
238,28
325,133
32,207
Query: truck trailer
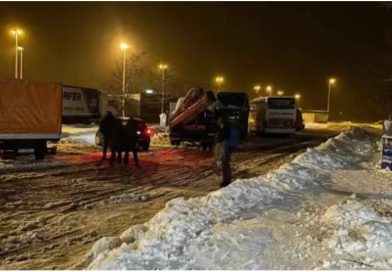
x,y
80,104
30,115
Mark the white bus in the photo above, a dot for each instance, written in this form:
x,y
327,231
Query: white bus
x,y
273,114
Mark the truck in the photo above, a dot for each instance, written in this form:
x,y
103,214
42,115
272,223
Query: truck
x,y
30,115
193,118
80,104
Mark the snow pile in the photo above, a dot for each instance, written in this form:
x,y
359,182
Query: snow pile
x,y
78,134
342,126
361,234
23,163
160,138
178,236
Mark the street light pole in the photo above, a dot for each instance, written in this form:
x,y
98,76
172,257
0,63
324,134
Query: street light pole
x,y
163,67
257,89
297,97
124,47
21,61
16,33
269,90
331,81
219,80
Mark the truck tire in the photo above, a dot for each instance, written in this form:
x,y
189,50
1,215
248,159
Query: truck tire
x,y
40,150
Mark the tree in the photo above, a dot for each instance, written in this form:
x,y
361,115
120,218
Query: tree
x,y
134,70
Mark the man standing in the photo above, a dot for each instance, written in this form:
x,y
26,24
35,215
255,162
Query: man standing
x,y
131,144
227,139
106,127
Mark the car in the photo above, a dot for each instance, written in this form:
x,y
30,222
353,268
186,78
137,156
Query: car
x,y
144,133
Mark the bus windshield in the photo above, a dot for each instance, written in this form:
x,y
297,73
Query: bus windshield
x,y
281,103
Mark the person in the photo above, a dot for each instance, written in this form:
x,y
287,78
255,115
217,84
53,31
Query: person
x,y
115,141
106,127
131,141
227,139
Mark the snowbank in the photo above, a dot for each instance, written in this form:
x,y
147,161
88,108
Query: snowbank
x,y
220,230
79,134
342,126
361,234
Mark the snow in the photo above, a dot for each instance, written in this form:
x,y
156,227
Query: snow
x,y
342,126
265,222
361,233
23,163
79,134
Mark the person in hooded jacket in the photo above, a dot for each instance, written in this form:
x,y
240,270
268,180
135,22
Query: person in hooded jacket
x,y
106,127
131,142
227,138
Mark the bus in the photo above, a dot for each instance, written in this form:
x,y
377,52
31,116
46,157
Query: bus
x,y
273,114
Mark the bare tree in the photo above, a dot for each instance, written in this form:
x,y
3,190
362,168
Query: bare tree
x,y
134,71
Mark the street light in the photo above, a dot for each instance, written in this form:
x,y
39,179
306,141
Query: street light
x,y
149,91
20,48
280,93
331,81
269,90
16,32
219,80
297,97
257,88
124,48
163,67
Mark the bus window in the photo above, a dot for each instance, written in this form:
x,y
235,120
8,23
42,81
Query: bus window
x,y
281,103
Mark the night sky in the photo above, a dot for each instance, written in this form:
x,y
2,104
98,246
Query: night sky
x,y
293,46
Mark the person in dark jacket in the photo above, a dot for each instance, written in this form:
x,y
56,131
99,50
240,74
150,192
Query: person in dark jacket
x,y
227,139
131,143
115,141
222,148
106,127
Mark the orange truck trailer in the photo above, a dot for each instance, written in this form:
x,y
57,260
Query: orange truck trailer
x,y
30,115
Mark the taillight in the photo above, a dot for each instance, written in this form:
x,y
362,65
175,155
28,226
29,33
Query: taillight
x,y
148,131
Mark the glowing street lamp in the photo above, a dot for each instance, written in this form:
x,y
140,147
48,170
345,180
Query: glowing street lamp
x,y
149,91
124,48
163,67
219,80
269,90
20,49
280,93
257,88
297,97
16,32
331,82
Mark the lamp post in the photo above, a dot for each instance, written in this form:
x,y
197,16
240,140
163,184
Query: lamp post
x,y
331,81
124,47
163,68
20,48
16,33
269,90
219,80
257,88
297,97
